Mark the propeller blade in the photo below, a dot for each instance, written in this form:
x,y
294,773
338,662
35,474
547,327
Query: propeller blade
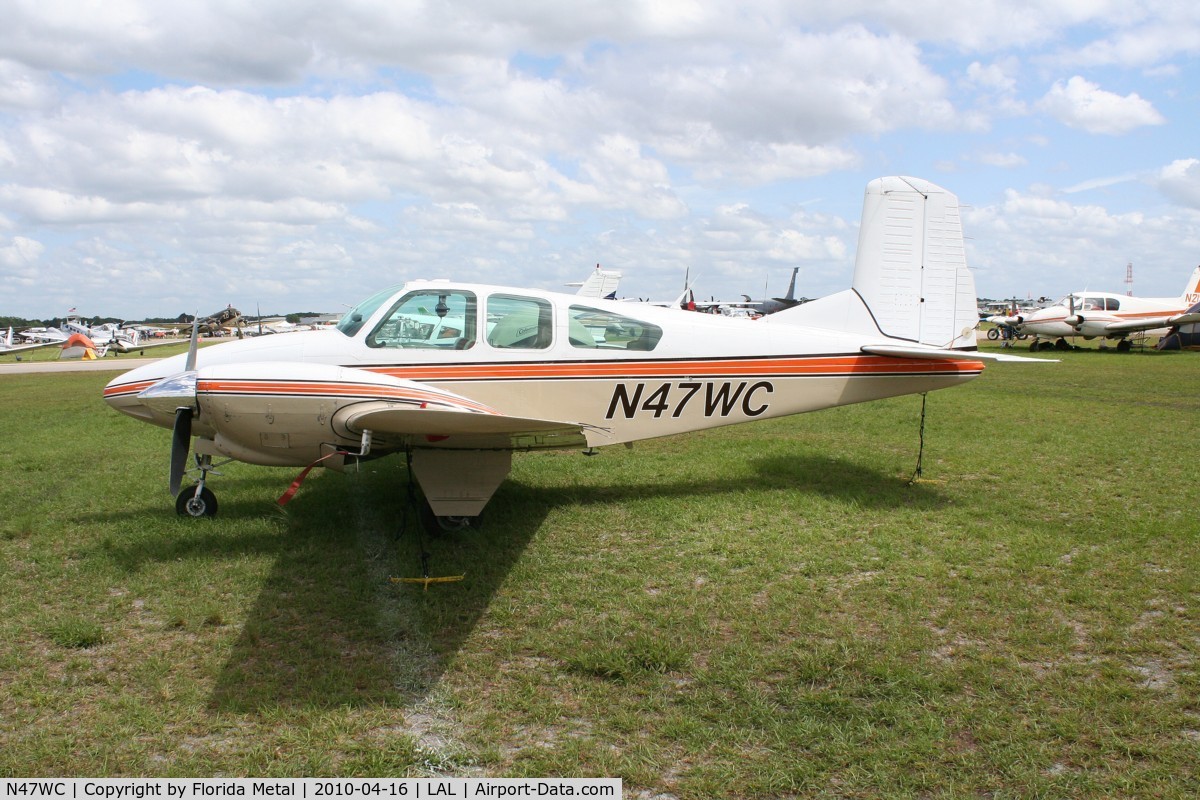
x,y
193,345
181,441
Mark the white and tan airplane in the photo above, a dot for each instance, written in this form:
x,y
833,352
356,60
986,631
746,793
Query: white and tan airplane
x,y
1105,315
9,345
458,376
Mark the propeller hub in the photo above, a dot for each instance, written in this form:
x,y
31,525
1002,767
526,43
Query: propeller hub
x,y
170,393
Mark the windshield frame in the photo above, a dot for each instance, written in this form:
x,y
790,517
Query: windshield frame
x,y
353,320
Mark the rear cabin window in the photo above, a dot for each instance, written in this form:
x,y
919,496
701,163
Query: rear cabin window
x,y
430,320
519,323
590,327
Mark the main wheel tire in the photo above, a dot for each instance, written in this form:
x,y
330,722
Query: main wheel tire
x,y
436,526
188,504
993,333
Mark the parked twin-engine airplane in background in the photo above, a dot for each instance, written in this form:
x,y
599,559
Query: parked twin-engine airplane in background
x,y
460,375
1106,315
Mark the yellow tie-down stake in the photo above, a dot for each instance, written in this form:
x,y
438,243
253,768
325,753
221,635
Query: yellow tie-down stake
x,y
428,580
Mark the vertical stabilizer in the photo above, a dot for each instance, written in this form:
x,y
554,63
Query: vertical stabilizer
x,y
911,265
791,292
1191,292
602,283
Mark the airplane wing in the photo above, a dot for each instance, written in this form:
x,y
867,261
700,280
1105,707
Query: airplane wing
x,y
17,348
901,351
458,429
1153,322
122,346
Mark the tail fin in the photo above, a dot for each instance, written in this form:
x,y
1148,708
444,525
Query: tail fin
x,y
1191,292
602,283
791,292
911,280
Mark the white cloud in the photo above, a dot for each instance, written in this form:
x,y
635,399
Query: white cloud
x,y
25,88
1039,244
1180,181
20,253
1079,103
1002,160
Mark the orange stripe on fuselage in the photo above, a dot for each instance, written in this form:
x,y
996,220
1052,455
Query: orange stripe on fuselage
x,y
334,389
1104,316
127,388
817,366
798,366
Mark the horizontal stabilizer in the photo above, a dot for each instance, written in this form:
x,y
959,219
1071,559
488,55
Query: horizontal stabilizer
x,y
896,351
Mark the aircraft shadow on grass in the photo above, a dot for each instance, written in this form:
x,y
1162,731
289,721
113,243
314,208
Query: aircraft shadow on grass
x,y
329,629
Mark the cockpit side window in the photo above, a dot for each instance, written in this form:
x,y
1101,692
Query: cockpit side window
x,y
590,327
519,323
429,319
1112,304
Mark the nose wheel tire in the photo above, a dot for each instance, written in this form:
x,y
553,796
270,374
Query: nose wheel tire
x,y
190,504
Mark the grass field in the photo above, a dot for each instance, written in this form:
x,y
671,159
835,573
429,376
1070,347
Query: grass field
x,y
767,610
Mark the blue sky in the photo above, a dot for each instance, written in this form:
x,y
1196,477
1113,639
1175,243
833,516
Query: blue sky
x,y
298,156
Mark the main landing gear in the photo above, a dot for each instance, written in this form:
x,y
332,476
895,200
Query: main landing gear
x,y
1059,344
435,525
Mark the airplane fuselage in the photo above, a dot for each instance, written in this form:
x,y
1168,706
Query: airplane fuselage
x,y
1095,313
617,373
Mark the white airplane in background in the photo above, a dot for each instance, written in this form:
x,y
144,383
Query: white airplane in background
x,y
1105,315
458,376
131,340
9,345
42,335
111,337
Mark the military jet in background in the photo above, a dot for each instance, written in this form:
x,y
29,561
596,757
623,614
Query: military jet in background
x,y
747,307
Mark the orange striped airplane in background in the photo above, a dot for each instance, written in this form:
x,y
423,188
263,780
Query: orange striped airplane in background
x,y
1106,315
458,376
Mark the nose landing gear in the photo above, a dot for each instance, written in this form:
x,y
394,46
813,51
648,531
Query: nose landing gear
x,y
198,500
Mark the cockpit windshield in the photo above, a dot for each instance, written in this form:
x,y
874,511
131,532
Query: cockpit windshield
x,y
355,318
